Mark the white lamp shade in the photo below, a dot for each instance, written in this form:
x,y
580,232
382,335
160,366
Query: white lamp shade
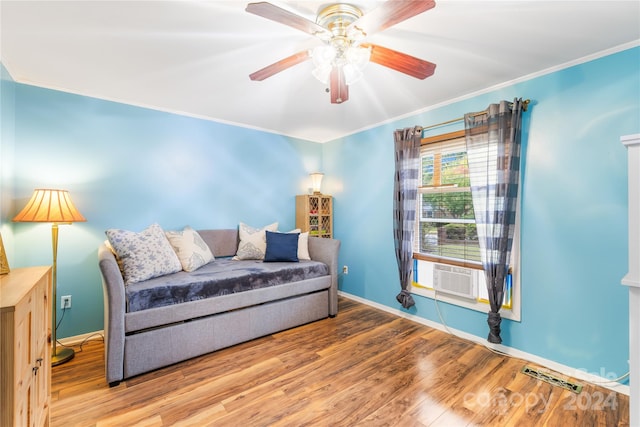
x,y
316,181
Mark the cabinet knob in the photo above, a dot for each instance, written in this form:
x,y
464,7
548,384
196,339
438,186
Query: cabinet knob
x,y
39,360
35,370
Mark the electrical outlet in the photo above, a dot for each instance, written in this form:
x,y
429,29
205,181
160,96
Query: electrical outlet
x,y
345,269
65,302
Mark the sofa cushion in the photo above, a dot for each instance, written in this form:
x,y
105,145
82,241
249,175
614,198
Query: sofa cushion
x,y
222,277
143,255
253,241
281,247
158,317
192,251
223,243
303,244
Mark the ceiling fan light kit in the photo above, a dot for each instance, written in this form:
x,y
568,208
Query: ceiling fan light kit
x,y
352,59
341,59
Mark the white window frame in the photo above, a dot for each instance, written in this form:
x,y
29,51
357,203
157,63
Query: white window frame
x,y
424,286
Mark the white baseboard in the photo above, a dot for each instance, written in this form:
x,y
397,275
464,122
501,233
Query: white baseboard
x,y
550,364
79,339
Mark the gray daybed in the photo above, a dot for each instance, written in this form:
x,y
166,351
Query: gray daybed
x,y
175,317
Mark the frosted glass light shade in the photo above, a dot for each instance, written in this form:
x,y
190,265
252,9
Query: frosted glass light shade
x,y
352,59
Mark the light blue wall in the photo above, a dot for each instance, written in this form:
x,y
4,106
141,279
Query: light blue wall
x,y
127,167
7,134
574,213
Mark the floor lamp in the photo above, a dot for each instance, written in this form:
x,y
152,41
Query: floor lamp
x,y
52,206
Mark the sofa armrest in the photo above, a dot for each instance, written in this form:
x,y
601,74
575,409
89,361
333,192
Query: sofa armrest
x,y
326,251
114,310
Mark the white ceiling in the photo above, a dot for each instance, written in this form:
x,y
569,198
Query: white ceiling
x,y
194,57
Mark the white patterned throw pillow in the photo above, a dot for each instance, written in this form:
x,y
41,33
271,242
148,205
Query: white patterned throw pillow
x,y
192,251
143,255
253,241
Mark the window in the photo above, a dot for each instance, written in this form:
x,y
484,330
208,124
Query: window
x,y
446,229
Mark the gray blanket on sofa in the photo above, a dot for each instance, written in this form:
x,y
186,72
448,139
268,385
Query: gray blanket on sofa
x,y
220,277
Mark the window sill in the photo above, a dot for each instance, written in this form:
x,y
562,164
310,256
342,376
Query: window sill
x,y
476,305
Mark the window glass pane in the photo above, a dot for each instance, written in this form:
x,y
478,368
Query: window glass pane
x,y
446,225
427,170
454,169
447,205
450,240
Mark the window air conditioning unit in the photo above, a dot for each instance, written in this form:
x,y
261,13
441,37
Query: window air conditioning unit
x,y
457,281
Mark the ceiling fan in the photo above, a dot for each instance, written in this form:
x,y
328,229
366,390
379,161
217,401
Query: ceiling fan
x,y
343,29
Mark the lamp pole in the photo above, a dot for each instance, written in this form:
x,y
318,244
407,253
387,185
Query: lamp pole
x,y
66,353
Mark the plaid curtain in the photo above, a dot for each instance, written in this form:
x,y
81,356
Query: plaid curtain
x,y
405,193
493,151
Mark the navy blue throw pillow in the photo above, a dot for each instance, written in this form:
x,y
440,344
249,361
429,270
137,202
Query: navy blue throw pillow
x,y
282,247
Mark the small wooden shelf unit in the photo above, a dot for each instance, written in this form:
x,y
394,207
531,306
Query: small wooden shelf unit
x,y
314,213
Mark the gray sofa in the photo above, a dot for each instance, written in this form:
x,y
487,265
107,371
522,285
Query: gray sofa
x,y
150,338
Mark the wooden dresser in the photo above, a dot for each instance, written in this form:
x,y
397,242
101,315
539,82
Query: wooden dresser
x,y
25,347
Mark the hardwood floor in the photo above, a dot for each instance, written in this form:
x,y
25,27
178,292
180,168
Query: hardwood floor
x,y
364,367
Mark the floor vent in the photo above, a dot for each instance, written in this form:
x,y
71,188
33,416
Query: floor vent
x,y
558,382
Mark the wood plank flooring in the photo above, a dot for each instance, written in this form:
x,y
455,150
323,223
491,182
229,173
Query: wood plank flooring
x,y
365,367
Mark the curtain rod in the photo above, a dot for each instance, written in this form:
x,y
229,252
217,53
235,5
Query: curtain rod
x,y
524,108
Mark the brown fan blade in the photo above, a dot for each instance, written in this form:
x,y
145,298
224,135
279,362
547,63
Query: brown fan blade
x,y
281,65
402,62
338,86
388,14
277,14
